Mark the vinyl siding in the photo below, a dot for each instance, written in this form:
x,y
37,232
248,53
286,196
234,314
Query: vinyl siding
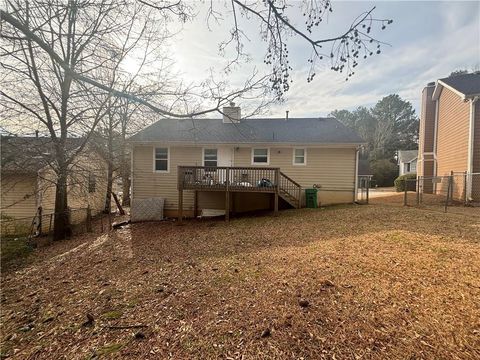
x,y
333,169
453,132
427,130
28,192
427,124
77,191
476,142
19,195
476,154
148,183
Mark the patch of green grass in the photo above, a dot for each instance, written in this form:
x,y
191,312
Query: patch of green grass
x,y
396,237
112,315
132,303
443,253
14,251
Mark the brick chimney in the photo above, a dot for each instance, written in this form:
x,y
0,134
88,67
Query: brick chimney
x,y
231,114
427,132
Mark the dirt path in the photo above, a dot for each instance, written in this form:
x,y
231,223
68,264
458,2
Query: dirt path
x,y
377,282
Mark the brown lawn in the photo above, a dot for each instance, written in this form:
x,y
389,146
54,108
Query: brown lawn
x,y
376,282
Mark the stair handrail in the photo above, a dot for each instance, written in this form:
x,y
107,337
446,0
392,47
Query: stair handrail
x,y
297,191
290,179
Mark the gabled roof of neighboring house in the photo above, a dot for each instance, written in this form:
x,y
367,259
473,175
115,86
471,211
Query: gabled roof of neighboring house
x,y
293,131
22,154
406,156
465,85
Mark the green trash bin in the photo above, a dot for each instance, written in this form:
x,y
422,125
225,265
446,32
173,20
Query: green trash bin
x,y
311,198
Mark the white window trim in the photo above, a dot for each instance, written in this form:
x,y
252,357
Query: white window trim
x,y
203,154
268,156
304,156
155,158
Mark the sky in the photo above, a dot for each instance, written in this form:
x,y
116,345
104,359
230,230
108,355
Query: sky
x,y
428,40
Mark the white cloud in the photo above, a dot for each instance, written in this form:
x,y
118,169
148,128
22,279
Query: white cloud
x,y
430,39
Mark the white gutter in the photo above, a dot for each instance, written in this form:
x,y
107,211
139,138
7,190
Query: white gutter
x,y
246,145
471,139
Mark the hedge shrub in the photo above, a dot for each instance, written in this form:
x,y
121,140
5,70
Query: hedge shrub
x,y
411,184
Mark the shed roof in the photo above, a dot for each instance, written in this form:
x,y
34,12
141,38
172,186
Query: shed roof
x,y
267,130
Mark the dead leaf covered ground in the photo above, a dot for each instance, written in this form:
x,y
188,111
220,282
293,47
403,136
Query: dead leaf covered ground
x,y
350,282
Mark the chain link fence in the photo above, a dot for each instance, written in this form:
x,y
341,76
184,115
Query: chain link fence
x,y
450,192
80,220
363,188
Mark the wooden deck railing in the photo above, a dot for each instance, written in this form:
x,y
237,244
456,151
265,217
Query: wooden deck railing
x,y
240,179
219,178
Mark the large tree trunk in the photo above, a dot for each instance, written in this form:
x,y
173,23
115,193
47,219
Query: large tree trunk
x,y
108,197
110,159
126,188
61,226
125,165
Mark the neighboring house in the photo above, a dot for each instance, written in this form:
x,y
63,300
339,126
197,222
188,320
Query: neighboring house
x,y
28,182
407,161
243,164
450,130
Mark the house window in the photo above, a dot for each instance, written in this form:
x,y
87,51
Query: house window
x,y
260,156
210,157
406,168
92,183
161,159
299,156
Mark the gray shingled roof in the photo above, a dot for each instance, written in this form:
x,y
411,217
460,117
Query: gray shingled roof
x,y
467,84
406,156
293,130
29,154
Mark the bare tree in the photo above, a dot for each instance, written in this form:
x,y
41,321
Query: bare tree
x,y
62,64
87,36
343,52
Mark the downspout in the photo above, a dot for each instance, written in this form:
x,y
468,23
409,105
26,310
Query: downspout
x,y
435,138
355,187
471,139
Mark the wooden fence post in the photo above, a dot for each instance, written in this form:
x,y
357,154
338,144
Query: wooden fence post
x,y
368,188
405,184
227,195
277,185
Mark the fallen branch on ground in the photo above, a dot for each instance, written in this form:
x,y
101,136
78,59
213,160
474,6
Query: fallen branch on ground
x,y
126,326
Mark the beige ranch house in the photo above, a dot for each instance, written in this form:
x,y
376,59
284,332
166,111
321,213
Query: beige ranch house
x,y
28,182
232,165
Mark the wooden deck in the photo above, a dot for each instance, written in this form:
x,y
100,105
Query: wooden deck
x,y
236,179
